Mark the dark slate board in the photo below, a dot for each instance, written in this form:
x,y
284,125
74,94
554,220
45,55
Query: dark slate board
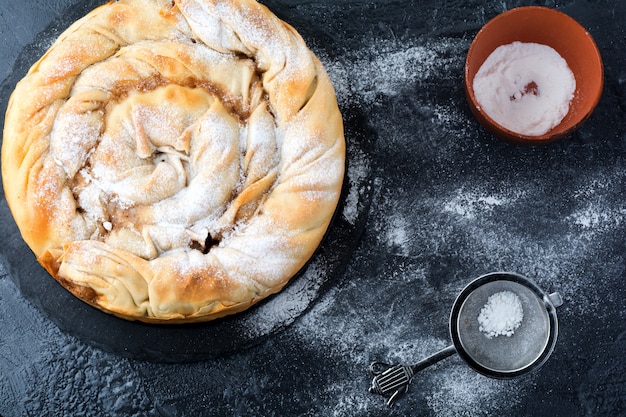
x,y
196,341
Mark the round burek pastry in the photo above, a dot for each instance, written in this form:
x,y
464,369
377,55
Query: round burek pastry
x,y
174,161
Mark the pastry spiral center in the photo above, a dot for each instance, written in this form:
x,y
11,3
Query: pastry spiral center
x,y
157,166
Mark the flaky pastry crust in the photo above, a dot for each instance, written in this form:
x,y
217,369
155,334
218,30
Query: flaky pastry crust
x,y
174,161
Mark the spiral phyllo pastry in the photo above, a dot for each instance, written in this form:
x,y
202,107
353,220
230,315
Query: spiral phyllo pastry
x,y
174,161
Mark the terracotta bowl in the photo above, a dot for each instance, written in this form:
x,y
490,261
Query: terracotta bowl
x,y
548,27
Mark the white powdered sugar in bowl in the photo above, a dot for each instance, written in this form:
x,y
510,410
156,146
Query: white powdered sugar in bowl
x,y
525,87
501,315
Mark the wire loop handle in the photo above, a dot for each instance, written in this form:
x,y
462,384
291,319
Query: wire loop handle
x,y
393,380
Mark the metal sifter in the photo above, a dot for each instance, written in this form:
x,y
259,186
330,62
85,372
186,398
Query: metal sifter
x,y
505,356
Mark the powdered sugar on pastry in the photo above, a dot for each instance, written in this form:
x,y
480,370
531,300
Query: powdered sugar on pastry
x,y
174,162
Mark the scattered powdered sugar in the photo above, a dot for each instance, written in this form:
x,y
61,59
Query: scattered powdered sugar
x,y
501,315
390,68
463,392
457,223
471,224
286,306
594,218
594,214
397,234
357,172
469,203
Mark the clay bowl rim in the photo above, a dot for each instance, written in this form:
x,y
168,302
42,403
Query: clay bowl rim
x,y
557,132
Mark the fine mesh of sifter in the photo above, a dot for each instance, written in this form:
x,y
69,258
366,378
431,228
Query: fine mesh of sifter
x,y
520,352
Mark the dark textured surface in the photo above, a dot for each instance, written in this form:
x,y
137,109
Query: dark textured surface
x,y
449,203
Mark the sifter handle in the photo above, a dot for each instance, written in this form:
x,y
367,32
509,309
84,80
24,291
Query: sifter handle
x,y
394,381
433,359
